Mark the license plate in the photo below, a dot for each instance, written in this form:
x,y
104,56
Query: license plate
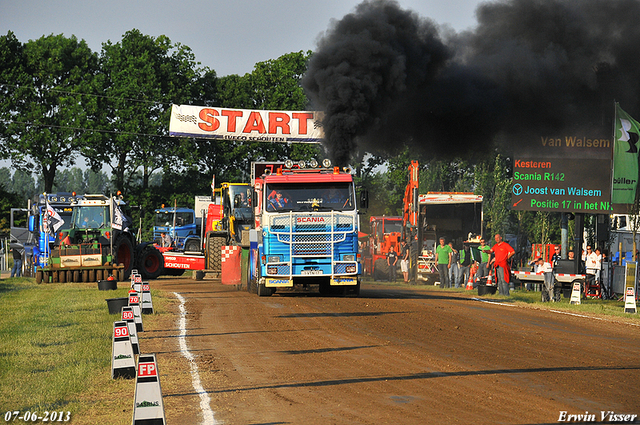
x,y
312,272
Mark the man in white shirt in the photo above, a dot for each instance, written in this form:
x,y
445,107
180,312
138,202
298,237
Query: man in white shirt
x,y
549,282
592,265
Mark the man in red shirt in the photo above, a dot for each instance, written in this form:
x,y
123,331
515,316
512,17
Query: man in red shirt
x,y
502,252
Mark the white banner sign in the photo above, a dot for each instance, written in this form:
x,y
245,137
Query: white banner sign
x,y
246,125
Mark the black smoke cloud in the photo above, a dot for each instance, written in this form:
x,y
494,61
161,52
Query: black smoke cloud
x,y
387,77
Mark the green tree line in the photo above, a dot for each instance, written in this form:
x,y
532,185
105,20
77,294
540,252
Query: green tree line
x,y
61,103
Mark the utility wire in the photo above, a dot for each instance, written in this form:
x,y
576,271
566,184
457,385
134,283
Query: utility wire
x,y
85,129
102,96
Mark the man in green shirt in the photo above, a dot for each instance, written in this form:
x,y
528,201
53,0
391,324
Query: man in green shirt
x,y
443,261
483,269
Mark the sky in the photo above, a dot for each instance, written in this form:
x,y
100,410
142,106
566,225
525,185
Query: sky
x,y
228,36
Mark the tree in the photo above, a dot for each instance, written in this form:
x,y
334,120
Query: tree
x,y
141,76
494,184
45,108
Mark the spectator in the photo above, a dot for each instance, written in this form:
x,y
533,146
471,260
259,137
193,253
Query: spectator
x,y
17,262
392,261
404,262
453,270
484,249
465,264
502,254
443,262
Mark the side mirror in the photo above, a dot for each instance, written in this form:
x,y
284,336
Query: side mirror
x,y
364,199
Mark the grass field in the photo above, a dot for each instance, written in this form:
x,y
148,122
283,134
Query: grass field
x,y
55,350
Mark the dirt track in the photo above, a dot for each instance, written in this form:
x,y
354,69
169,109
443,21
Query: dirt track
x,y
395,355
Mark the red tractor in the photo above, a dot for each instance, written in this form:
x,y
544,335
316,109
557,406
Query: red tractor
x,y
386,233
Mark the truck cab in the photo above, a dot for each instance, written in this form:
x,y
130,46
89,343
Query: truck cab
x,y
180,224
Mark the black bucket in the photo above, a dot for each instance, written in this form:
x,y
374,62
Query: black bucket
x,y
116,304
487,289
107,285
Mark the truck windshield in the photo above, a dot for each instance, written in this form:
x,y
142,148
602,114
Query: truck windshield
x,y
165,218
393,226
91,217
309,197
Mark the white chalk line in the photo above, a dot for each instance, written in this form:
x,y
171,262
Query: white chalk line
x,y
558,312
205,401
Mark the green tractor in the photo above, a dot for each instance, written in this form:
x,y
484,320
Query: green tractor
x,y
99,244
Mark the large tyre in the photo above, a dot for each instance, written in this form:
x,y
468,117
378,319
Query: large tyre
x,y
76,275
214,252
39,277
192,245
354,291
263,291
150,263
252,284
173,272
62,276
123,250
381,270
244,269
85,276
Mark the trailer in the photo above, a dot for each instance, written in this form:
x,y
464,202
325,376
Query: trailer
x,y
457,217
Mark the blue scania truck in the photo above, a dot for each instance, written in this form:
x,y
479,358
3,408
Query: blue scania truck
x,y
306,230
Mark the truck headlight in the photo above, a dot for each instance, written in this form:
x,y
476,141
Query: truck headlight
x,y
274,259
349,257
272,270
350,269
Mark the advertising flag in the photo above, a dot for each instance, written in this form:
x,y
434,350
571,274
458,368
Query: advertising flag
x,y
625,158
120,221
52,220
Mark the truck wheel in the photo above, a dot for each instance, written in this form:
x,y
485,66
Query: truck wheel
x,y
85,276
354,291
192,245
151,263
124,254
263,291
76,275
39,277
62,276
381,270
214,253
199,275
46,276
92,276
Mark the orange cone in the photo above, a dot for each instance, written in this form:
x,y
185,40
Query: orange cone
x,y
489,280
469,283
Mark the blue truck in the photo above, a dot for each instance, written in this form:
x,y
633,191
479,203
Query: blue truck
x,y
184,225
306,230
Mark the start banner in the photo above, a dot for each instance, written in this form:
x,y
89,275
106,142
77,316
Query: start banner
x,y
246,124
